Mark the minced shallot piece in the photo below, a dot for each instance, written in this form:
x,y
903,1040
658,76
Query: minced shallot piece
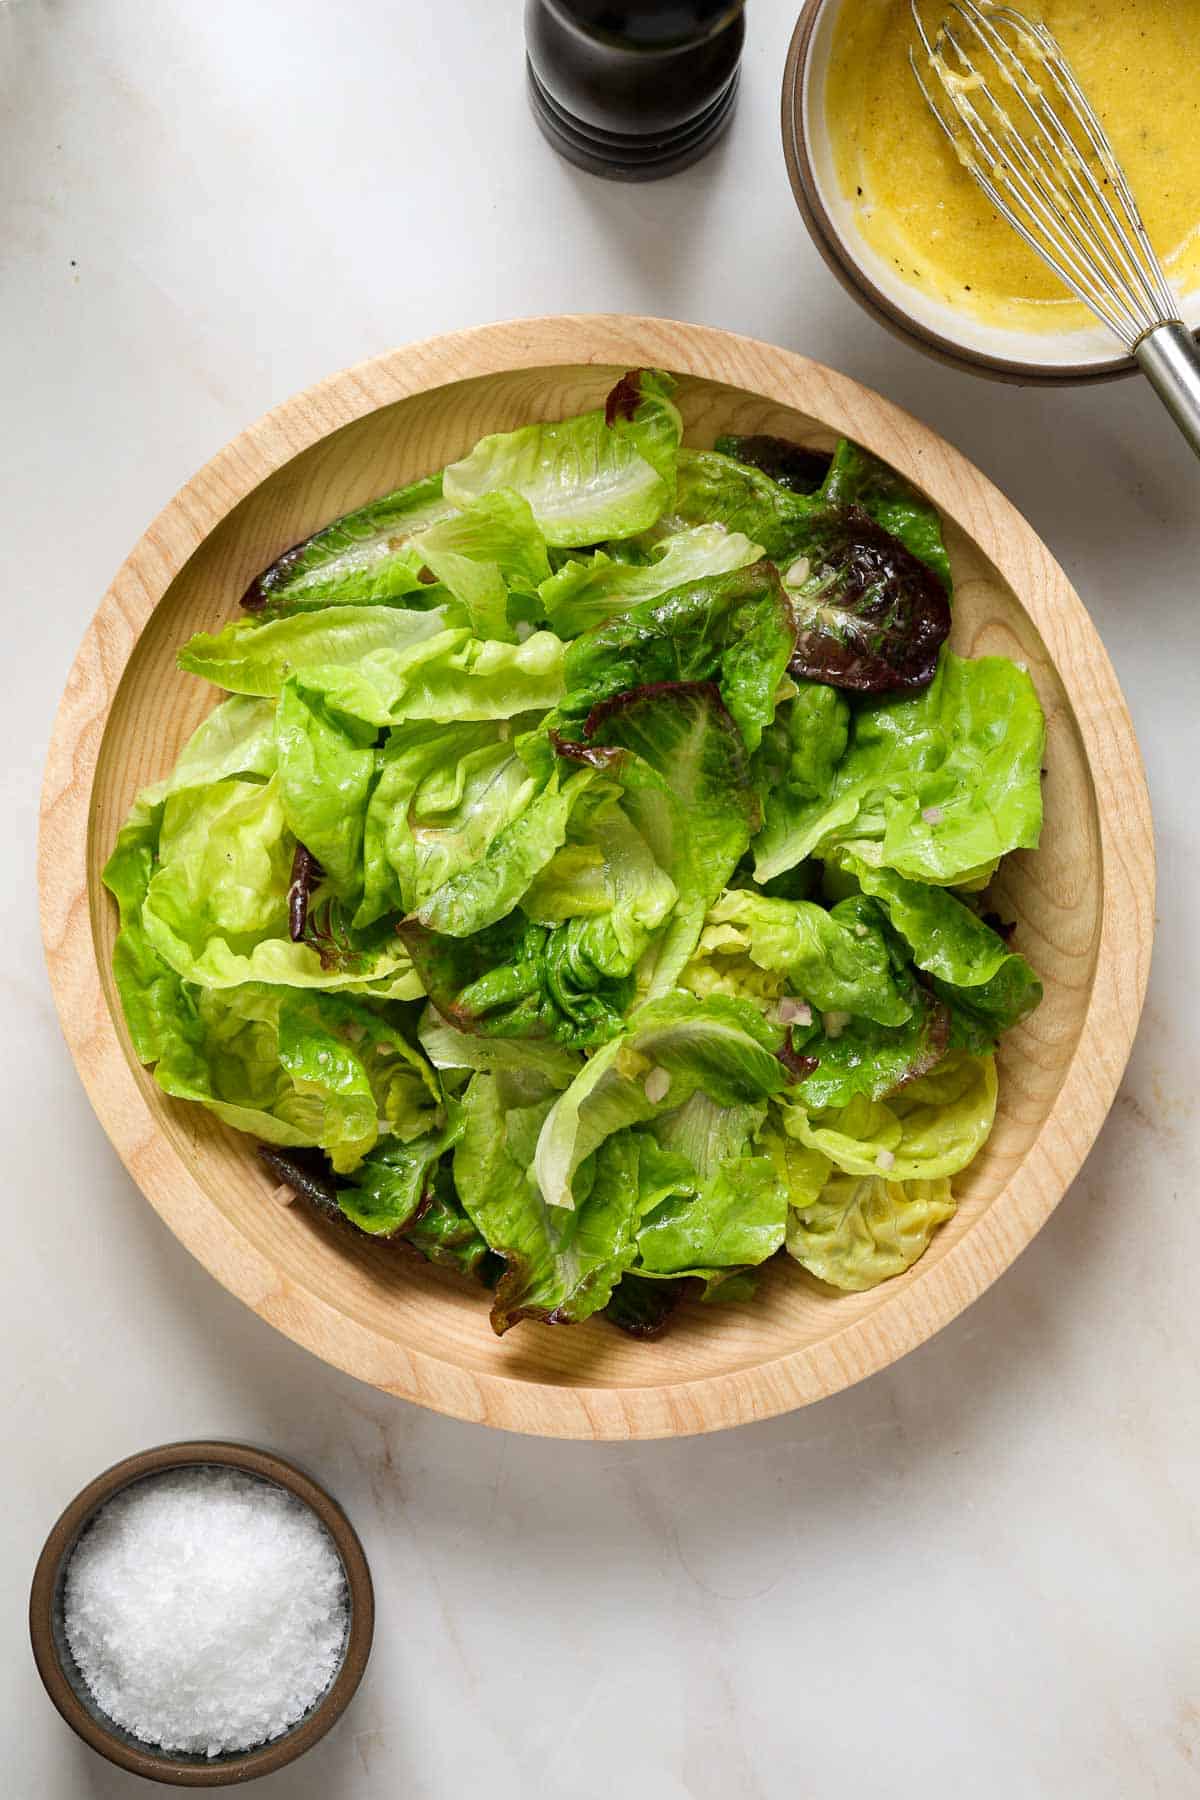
x,y
657,1085
933,815
793,1012
835,1023
886,1159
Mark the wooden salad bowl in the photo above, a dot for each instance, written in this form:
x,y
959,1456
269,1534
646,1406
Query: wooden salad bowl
x,y
1084,902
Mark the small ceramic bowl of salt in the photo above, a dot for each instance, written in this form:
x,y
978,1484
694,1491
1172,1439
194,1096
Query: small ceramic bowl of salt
x,y
202,1614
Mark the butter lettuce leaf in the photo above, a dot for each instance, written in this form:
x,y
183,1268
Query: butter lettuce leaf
x,y
687,790
932,1128
940,785
256,656
604,474
560,1266
735,629
363,557
481,553
987,986
862,1230
587,592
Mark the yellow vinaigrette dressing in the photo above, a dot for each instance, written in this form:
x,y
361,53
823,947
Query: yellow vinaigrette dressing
x,y
918,208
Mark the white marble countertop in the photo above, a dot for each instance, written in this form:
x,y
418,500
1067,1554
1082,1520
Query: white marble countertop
x,y
976,1574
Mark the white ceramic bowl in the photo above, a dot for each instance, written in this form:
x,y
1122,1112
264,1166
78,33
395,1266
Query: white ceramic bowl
x,y
1082,355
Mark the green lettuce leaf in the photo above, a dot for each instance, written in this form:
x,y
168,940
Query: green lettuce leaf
x,y
933,1127
838,960
363,557
677,1045
480,553
586,593
297,1068
862,1230
604,474
237,738
442,1232
736,629
394,1181
444,793
802,748
560,1266
487,891
520,980
941,784
253,656
452,676
988,987
326,764
714,489
857,1056
216,903
541,1066
735,1220
686,789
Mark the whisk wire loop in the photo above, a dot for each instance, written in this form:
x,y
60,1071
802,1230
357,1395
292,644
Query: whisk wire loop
x,y
1043,158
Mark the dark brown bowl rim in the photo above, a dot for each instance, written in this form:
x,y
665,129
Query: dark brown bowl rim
x,y
162,1767
854,279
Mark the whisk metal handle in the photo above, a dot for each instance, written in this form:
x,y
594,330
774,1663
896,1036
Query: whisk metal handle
x,y
1170,361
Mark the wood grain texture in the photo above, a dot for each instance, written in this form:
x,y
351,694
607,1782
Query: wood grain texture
x,y
1084,901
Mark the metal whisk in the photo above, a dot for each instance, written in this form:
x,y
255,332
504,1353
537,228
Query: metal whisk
x,y
1001,89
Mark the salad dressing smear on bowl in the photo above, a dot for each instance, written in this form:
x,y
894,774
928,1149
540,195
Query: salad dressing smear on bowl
x,y
919,208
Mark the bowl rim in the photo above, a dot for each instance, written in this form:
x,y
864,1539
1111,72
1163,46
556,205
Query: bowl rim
x,y
163,1766
839,258
858,1347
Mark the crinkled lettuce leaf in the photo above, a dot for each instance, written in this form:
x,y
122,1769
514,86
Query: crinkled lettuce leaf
x,y
862,1230
714,489
326,764
363,557
940,784
856,478
987,987
604,474
587,592
256,656
870,616
481,553
736,629
672,1047
802,748
560,1266
933,1127
521,980
391,1186
687,790
215,908
838,960
296,1068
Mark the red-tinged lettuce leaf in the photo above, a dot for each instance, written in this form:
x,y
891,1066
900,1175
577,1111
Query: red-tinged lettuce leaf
x,y
642,1307
791,466
363,557
856,478
736,629
870,616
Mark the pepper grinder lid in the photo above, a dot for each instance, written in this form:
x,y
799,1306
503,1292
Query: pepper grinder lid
x,y
633,89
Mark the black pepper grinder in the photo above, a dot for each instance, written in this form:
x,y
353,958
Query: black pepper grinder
x,y
633,89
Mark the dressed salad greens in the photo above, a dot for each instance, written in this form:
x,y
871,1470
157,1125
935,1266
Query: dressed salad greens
x,y
580,884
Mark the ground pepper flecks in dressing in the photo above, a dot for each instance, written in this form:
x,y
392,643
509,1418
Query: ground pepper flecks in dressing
x,y
919,208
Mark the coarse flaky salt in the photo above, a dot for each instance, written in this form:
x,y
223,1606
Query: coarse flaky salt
x,y
206,1610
